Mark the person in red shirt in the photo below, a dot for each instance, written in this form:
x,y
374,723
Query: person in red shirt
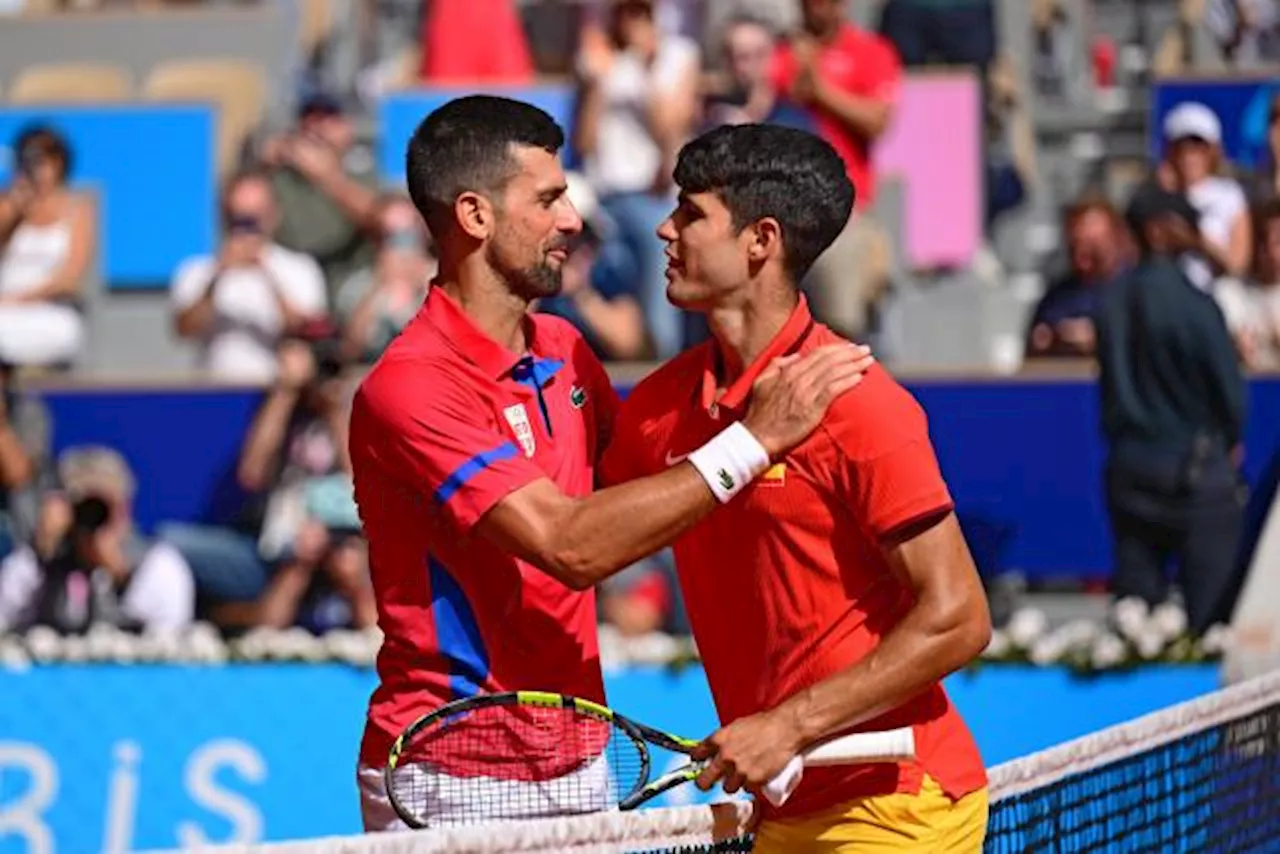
x,y
849,79
473,448
835,592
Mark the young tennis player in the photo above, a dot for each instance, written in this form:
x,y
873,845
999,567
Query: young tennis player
x,y
836,590
474,442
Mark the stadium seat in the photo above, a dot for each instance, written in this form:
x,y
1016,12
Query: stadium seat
x,y
237,87
71,83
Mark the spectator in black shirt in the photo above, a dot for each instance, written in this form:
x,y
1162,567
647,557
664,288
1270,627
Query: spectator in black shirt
x,y
1173,402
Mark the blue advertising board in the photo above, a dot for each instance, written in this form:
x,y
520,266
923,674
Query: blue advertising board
x,y
1023,459
1242,105
112,759
152,169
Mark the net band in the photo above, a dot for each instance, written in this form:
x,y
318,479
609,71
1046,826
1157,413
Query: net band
x,y
1139,735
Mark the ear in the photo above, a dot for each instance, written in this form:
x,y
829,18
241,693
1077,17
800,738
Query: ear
x,y
475,215
766,240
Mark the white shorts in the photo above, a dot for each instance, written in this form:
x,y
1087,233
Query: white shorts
x,y
471,800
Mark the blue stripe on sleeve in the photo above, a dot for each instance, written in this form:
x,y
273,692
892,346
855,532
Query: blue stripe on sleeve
x,y
471,468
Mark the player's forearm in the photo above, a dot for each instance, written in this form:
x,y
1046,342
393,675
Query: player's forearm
x,y
934,640
615,527
866,117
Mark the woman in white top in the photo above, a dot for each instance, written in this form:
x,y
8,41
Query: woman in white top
x,y
46,241
1193,136
1252,308
637,106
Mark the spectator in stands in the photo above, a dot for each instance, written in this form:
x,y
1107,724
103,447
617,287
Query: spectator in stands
x,y
848,79
1193,158
637,105
240,303
47,237
297,449
375,303
451,57
1265,185
941,32
327,192
94,567
749,46
1097,244
1252,308
1247,31
641,599
1173,404
596,294
310,567
24,451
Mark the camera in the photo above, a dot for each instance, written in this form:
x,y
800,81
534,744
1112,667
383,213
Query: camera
x,y
89,515
244,225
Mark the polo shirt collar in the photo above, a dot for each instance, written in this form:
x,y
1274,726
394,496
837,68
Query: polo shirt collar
x,y
476,347
788,340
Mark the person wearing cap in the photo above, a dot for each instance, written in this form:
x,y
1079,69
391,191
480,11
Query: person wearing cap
x,y
1193,157
1173,411
328,196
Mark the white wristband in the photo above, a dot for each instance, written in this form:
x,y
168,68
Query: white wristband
x,y
730,461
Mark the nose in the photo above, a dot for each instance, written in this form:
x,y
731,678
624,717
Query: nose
x,y
667,230
569,221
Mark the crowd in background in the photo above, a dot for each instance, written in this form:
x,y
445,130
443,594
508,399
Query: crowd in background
x,y
318,267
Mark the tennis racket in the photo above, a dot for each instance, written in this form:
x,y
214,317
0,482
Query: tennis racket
x,y
533,754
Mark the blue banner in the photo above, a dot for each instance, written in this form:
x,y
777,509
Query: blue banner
x,y
1023,459
1242,106
113,759
152,169
400,113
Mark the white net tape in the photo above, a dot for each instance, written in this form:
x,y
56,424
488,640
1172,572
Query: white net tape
x,y
1137,736
603,833
678,827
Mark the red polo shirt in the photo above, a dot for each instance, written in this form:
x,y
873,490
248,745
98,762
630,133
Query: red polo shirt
x,y
788,584
445,425
858,63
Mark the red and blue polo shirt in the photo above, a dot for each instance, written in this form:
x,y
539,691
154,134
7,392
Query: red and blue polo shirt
x,y
444,426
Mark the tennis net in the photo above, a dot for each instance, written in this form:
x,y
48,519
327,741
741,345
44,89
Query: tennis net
x,y
1202,776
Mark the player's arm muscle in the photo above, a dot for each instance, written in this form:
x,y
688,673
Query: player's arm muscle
x,y
581,541
946,628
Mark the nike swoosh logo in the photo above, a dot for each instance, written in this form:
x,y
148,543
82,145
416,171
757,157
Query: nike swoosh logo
x,y
673,459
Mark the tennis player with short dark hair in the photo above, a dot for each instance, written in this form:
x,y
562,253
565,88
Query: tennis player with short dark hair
x,y
474,441
836,591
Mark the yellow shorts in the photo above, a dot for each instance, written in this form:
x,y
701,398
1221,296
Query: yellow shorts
x,y
928,822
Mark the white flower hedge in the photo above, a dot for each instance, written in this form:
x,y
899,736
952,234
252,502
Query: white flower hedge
x,y
1133,635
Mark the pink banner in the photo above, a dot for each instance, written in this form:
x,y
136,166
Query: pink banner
x,y
933,149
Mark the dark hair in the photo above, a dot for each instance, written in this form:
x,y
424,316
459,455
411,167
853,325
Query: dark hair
x,y
763,171
467,145
42,140
1265,213
1151,203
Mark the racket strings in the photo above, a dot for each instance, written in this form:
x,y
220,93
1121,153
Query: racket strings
x,y
514,762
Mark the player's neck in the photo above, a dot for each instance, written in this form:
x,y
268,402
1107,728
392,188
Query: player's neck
x,y
490,305
745,328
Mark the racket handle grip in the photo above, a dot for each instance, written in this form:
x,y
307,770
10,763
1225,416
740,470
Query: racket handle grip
x,y
777,790
890,746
